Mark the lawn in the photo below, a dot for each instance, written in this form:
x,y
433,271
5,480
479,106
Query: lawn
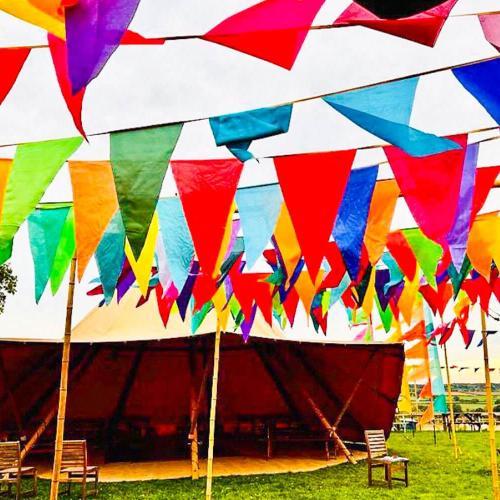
x,y
434,474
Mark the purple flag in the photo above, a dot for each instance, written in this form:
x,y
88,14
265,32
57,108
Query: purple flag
x,y
94,29
457,237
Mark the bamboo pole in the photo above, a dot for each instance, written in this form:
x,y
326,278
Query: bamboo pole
x,y
63,388
193,430
489,407
456,450
213,408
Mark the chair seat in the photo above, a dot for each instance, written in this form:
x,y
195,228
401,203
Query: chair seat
x,y
390,460
79,470
13,470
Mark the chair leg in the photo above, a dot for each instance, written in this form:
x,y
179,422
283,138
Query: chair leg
x,y
406,474
18,487
389,475
369,475
386,473
96,482
84,488
35,483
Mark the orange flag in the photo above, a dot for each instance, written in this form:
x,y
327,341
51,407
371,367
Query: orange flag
x,y
483,245
5,166
95,202
380,215
306,289
286,240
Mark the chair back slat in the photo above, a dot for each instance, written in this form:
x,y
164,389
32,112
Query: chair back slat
x,y
74,454
10,454
375,443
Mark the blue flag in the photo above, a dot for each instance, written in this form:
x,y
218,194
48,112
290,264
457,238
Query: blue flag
x,y
384,110
350,226
238,130
259,208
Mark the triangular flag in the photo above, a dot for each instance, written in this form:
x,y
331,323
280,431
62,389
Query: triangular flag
x,y
142,266
306,288
394,9
272,30
94,29
45,228
64,253
11,62
5,166
457,236
206,189
140,160
430,186
491,28
384,110
349,229
483,245
402,253
385,196
426,252
35,166
482,80
285,241
110,255
313,186
423,27
259,208
485,179
93,207
176,240
73,101
28,10
237,130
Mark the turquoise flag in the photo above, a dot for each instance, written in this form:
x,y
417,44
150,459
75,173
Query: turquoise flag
x,y
350,226
259,208
338,291
35,166
45,227
384,110
110,255
238,130
176,240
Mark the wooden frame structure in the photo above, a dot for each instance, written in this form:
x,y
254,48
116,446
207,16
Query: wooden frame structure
x,y
12,470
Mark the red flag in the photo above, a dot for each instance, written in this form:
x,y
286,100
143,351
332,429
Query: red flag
x,y
206,189
133,38
485,178
312,186
165,303
272,30
11,62
423,27
290,304
430,186
337,267
402,254
204,289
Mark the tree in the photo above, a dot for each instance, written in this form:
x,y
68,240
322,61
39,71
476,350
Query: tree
x,y
8,284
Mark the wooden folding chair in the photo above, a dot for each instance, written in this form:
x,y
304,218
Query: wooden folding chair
x,y
12,471
74,464
378,457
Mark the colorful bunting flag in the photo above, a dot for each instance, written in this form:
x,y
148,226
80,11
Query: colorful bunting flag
x,y
349,229
482,81
423,27
140,160
396,9
402,253
491,28
259,208
483,245
430,186
313,186
93,207
206,189
238,130
11,62
35,166
5,166
384,110
272,30
94,29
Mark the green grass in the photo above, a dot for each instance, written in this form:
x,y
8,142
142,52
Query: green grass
x,y
434,474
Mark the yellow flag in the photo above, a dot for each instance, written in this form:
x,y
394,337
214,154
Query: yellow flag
x,y
484,243
5,166
404,403
287,241
219,300
306,289
142,266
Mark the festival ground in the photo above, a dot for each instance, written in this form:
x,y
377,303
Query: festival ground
x,y
434,474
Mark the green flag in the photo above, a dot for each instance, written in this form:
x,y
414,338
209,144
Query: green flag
x,y
64,253
35,166
45,228
139,159
426,252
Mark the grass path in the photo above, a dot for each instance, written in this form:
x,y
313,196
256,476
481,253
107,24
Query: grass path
x,y
434,474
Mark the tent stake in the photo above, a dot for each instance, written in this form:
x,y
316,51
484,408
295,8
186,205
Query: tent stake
x,y
213,408
456,450
489,406
63,388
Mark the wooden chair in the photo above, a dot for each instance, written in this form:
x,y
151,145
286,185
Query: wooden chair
x,y
74,464
378,457
12,471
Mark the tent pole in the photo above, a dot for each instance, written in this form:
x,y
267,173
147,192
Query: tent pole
x,y
213,408
193,431
450,404
63,388
489,406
